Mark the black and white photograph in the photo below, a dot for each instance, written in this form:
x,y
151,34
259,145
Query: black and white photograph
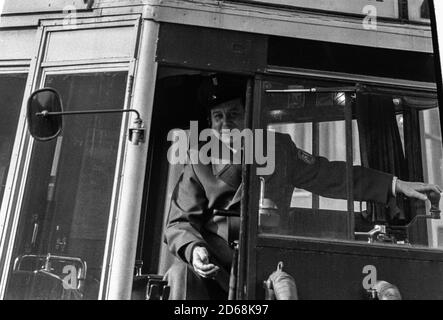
x,y
216,156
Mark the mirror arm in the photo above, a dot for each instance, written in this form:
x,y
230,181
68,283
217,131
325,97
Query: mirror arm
x,y
136,133
66,113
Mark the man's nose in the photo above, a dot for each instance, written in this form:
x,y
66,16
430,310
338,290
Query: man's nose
x,y
225,119
227,123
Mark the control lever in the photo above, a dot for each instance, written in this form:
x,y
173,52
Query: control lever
x,y
381,230
374,233
435,211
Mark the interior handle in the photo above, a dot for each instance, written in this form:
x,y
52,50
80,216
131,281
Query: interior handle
x,y
34,230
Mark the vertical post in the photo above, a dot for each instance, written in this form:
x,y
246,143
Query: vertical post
x,y
349,166
124,241
316,152
243,236
250,266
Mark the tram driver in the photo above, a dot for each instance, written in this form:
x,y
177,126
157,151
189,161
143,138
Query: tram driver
x,y
200,240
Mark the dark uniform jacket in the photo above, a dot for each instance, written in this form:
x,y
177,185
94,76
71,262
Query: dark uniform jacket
x,y
202,187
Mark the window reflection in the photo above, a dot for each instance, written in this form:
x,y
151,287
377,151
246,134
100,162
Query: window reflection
x,y
419,11
12,87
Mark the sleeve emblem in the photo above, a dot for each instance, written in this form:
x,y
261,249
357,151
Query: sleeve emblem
x,y
305,157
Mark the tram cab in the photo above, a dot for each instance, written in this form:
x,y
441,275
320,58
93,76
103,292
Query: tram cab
x,y
83,211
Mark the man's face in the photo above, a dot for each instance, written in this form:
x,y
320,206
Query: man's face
x,y
227,116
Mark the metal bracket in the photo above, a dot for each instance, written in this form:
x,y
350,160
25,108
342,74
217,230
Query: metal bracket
x,y
157,289
137,133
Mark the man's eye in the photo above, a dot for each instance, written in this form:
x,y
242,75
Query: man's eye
x,y
217,116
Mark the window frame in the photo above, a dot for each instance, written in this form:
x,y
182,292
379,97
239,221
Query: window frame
x,y
255,241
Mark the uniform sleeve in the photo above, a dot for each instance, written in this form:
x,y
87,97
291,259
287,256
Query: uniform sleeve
x,y
328,178
186,216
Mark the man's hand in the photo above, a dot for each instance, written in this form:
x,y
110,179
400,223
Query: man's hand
x,y
415,190
200,262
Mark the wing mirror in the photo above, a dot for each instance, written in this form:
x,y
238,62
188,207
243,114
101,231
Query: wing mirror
x,y
45,116
41,126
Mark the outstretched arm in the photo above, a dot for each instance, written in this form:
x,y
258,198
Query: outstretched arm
x,y
328,179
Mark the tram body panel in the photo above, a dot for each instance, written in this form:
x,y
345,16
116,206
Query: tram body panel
x,y
348,275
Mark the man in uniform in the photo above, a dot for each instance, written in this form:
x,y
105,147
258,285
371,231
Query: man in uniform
x,y
200,239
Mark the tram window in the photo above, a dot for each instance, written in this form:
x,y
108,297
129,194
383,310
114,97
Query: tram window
x,y
12,87
68,194
301,135
387,131
326,134
315,123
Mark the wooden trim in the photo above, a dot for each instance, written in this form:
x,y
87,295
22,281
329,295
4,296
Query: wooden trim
x,y
293,23
347,247
350,78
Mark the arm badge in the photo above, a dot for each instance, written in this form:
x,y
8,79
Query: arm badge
x,y
305,157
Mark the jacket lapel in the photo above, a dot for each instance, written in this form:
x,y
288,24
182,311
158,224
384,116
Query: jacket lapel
x,y
227,166
231,175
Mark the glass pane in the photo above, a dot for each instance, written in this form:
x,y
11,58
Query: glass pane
x,y
329,134
12,87
59,250
90,44
307,195
307,126
301,135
